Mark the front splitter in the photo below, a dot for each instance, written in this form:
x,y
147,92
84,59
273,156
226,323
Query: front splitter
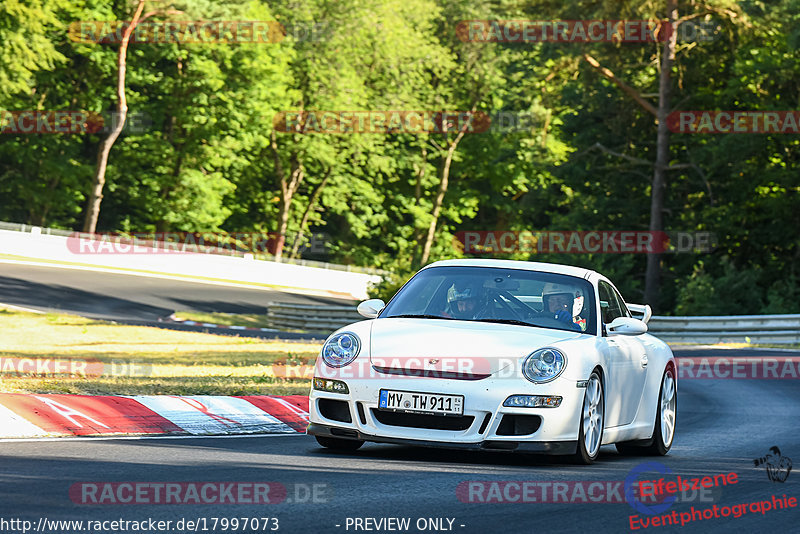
x,y
546,447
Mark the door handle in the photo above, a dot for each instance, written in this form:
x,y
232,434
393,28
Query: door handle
x,y
644,361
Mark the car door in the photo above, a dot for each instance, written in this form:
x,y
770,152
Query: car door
x,y
626,362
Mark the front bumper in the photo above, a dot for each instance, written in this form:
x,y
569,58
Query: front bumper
x,y
548,447
481,426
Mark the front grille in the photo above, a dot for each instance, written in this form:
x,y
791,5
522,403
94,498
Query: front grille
x,y
431,373
414,420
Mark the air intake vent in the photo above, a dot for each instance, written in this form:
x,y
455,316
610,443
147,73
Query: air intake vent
x,y
485,423
518,425
433,422
335,410
361,415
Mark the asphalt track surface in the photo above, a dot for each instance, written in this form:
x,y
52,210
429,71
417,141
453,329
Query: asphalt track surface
x,y
130,298
723,425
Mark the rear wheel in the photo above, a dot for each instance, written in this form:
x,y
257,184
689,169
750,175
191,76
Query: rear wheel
x,y
590,435
339,444
664,426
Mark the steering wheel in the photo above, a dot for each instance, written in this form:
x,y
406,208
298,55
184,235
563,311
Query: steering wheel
x,y
547,321
499,298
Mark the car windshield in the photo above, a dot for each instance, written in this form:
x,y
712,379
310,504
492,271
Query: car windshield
x,y
491,294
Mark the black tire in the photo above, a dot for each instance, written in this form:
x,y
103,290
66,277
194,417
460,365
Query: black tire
x,y
582,455
339,444
633,448
654,446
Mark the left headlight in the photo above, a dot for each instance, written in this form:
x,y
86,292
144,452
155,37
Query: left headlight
x,y
341,349
544,365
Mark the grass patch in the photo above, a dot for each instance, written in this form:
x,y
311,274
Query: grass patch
x,y
137,360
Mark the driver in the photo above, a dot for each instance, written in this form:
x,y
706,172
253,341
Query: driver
x,y
564,304
466,301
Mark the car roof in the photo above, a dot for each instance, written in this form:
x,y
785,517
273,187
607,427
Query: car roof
x,y
557,268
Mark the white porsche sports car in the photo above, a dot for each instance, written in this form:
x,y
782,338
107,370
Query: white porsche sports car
x,y
498,355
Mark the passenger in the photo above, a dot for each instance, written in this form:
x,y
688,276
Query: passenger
x,y
561,302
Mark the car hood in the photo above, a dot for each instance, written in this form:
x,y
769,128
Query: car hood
x,y
454,349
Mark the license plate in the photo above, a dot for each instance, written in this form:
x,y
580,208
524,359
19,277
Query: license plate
x,y
416,402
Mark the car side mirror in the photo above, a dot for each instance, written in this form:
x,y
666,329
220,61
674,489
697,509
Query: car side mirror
x,y
626,326
371,308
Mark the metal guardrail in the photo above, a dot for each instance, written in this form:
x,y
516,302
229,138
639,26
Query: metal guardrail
x,y
310,318
26,228
777,329
773,329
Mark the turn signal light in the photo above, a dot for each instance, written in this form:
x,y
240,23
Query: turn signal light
x,y
332,386
532,401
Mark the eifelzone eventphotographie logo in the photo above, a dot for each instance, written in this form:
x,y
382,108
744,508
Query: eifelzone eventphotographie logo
x,y
778,466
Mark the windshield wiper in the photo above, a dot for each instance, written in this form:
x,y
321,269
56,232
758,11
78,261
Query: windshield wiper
x,y
418,316
506,321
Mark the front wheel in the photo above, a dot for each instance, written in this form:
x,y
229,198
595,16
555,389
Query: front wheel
x,y
590,435
339,444
664,426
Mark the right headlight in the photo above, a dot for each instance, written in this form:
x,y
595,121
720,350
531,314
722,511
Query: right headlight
x,y
341,349
544,365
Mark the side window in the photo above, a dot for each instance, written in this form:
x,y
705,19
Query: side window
x,y
609,304
622,307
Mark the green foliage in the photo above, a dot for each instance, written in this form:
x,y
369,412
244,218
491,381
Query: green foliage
x,y
206,162
25,43
783,296
389,285
727,292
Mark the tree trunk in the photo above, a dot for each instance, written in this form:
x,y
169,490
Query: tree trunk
x,y
288,189
283,224
289,185
312,201
439,200
420,176
96,195
419,233
653,271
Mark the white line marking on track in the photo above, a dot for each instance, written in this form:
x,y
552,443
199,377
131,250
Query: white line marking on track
x,y
110,438
186,278
21,308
